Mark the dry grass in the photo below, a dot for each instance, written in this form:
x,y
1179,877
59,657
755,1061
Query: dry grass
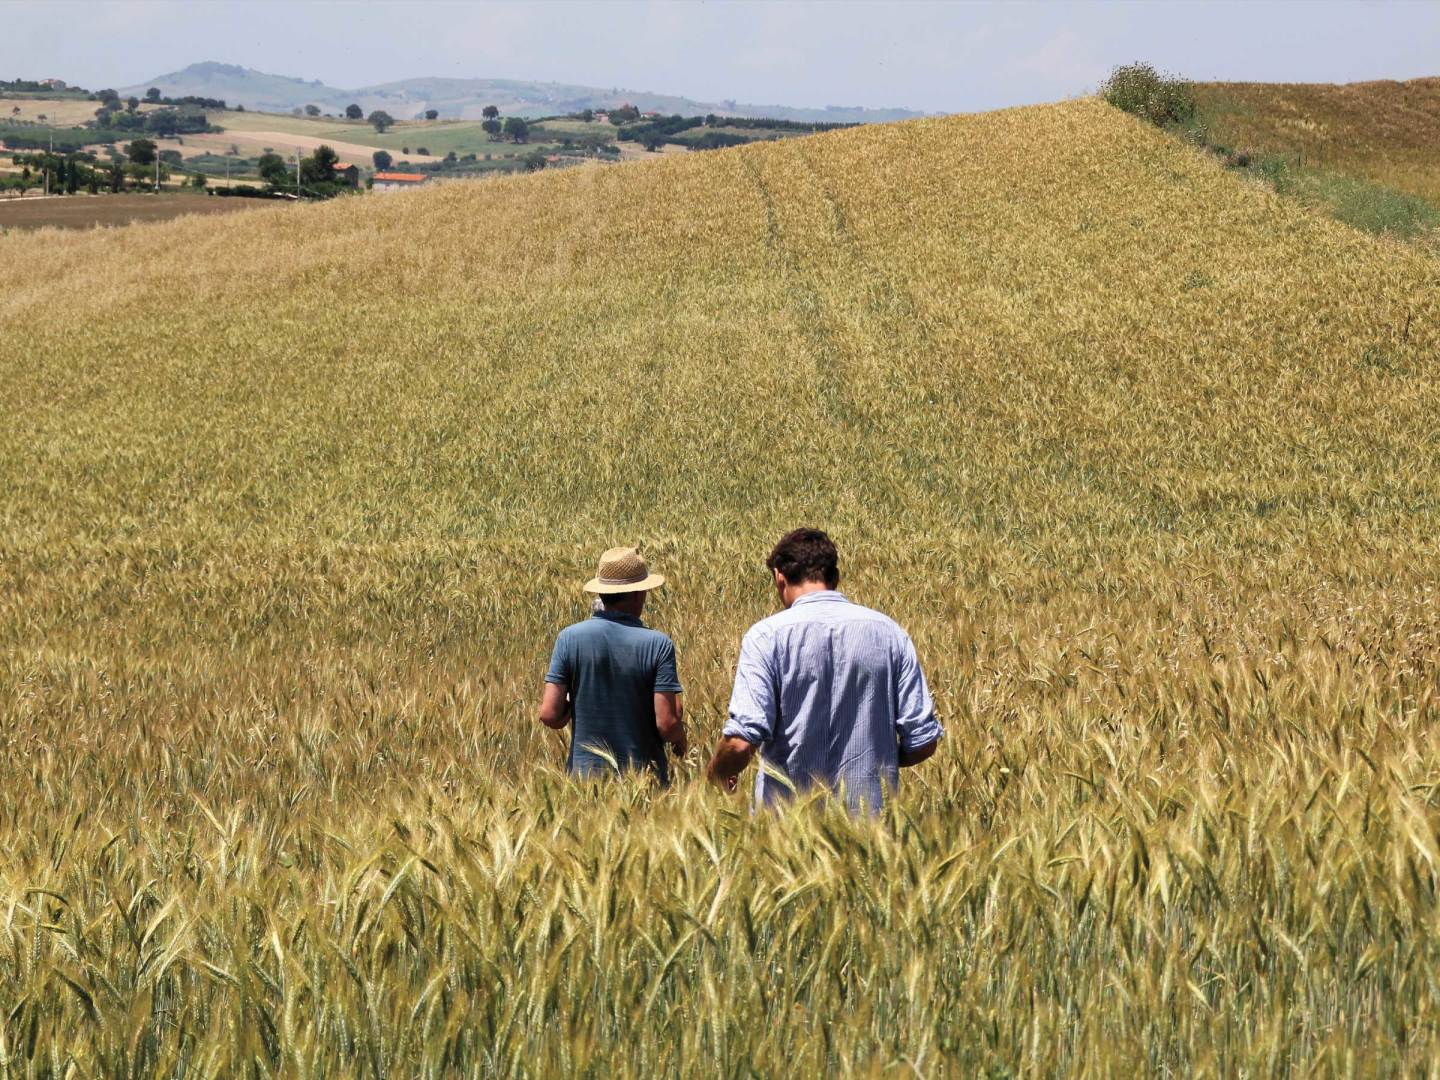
x,y
630,151
59,112
1387,132
1143,457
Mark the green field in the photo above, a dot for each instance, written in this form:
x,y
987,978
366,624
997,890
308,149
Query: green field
x,y
578,127
1141,454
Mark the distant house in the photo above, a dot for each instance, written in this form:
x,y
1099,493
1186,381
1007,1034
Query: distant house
x,y
398,181
55,84
651,115
602,118
347,173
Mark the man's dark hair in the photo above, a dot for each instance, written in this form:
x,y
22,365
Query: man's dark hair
x,y
612,600
806,555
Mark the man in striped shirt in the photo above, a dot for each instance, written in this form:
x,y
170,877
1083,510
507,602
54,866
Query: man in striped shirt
x,y
830,692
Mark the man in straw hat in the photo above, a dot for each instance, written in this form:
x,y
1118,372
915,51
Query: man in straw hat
x,y
832,691
615,678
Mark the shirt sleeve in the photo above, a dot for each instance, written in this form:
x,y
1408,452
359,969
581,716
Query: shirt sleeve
x,y
667,680
915,722
560,663
754,702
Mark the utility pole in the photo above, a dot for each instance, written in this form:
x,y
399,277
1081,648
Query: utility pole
x,y
297,174
48,158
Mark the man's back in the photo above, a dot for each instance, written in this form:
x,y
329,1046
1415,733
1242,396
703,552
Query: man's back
x,y
613,665
832,692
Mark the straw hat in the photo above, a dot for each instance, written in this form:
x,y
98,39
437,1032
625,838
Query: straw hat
x,y
622,570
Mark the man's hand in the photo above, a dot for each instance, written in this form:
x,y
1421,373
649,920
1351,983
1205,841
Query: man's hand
x,y
919,754
731,757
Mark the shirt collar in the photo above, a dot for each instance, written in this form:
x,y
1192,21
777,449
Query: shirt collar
x,y
831,596
617,616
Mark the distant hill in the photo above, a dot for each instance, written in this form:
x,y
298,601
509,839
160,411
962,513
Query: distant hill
x,y
240,85
464,98
1388,132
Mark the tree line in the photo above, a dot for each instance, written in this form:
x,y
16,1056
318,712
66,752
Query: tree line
x,y
68,173
653,134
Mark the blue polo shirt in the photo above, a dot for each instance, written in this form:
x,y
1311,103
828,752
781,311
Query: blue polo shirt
x,y
613,665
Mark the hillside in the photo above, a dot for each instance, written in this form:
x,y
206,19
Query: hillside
x,y
1388,132
1141,454
464,98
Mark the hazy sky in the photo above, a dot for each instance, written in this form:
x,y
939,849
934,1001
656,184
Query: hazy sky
x,y
935,56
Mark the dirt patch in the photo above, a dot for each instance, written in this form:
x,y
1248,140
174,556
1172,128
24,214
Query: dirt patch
x,y
89,211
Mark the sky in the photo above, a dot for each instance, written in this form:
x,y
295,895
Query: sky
x,y
932,56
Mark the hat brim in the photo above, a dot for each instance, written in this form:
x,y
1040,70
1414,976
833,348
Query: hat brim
x,y
600,588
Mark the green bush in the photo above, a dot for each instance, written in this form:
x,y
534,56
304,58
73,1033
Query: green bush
x,y
1164,100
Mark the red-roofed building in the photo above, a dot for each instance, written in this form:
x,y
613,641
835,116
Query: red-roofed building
x,y
347,173
399,181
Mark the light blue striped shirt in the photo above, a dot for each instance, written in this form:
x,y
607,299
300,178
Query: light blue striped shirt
x,y
830,692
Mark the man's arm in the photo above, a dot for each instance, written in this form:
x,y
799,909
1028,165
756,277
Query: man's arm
x,y
753,710
555,706
917,731
731,757
670,721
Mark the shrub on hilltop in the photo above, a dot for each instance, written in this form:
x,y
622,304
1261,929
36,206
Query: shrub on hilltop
x,y
1164,100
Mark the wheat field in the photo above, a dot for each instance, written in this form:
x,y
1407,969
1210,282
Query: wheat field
x,y
292,504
